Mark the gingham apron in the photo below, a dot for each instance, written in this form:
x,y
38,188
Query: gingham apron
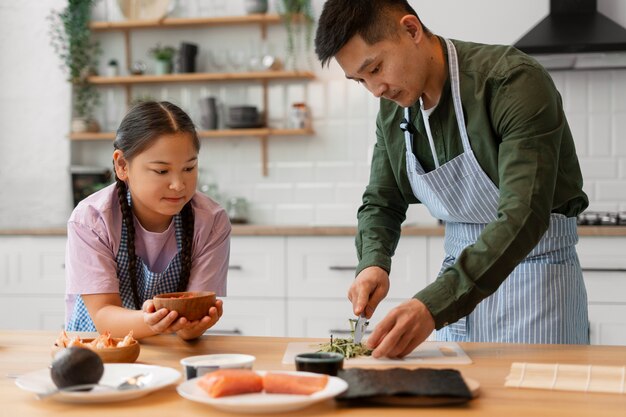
x,y
544,299
149,283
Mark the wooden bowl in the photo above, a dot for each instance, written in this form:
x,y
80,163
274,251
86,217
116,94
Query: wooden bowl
x,y
191,305
125,354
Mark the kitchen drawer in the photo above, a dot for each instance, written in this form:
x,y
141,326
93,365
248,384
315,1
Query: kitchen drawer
x,y
325,267
257,267
605,286
250,317
321,318
607,324
32,312
605,253
32,265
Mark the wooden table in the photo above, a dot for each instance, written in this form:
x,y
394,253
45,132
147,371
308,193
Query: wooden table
x,y
22,352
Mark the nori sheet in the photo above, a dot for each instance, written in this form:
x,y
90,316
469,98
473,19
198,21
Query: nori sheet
x,y
422,382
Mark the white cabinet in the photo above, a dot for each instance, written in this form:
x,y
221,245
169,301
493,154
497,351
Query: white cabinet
x,y
252,317
603,260
321,318
320,270
32,278
324,267
607,324
297,285
256,303
257,267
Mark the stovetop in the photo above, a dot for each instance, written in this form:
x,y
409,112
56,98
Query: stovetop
x,y
602,218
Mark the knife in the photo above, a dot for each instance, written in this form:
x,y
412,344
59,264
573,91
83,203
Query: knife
x,y
359,328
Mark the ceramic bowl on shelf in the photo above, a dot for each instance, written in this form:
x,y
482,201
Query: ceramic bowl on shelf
x,y
242,117
192,305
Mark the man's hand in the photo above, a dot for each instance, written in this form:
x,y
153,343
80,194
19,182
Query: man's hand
x,y
368,290
405,327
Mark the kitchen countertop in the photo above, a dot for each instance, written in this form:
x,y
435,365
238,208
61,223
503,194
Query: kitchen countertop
x,y
25,351
278,230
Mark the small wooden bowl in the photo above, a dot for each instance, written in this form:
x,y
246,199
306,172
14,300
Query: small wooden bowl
x,y
125,354
191,305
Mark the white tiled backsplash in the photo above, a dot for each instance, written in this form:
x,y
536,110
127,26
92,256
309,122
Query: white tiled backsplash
x,y
315,180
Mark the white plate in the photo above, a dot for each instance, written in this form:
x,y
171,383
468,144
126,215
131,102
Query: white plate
x,y
157,377
261,402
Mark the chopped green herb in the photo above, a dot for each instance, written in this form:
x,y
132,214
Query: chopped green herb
x,y
346,347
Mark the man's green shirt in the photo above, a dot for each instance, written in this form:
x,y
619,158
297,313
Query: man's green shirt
x,y
520,136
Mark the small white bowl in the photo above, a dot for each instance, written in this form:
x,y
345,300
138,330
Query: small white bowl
x,y
195,366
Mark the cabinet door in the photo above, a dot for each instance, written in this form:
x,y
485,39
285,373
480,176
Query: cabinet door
x,y
604,268
257,267
607,324
321,318
599,252
325,266
249,317
32,312
32,265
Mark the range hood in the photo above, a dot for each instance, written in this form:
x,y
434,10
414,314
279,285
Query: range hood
x,y
576,36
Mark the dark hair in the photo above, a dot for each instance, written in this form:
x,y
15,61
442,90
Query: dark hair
x,y
142,125
341,20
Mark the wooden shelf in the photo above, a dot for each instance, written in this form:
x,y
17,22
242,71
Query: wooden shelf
x,y
262,77
262,133
202,77
224,133
172,22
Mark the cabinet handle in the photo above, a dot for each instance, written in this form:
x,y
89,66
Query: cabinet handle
x,y
225,332
604,269
235,267
342,268
342,331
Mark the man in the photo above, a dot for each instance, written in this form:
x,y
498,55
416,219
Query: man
x,y
477,134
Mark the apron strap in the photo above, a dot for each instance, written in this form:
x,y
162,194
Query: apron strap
x,y
453,66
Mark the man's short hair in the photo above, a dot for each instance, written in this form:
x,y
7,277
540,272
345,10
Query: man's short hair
x,y
373,20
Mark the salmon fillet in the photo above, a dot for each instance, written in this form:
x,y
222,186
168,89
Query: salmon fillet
x,y
279,383
224,382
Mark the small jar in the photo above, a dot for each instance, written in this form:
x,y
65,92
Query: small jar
x,y
299,116
112,69
238,210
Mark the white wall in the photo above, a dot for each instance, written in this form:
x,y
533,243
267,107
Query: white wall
x,y
34,119
313,180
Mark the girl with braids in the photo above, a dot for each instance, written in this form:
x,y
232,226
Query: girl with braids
x,y
149,233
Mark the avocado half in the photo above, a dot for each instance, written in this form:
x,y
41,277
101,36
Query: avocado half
x,y
76,366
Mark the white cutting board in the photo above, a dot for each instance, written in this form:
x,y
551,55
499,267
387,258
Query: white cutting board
x,y
432,353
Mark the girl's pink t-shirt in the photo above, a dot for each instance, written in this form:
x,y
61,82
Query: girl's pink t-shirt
x,y
93,240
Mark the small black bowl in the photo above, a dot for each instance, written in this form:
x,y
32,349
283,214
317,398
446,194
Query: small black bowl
x,y
320,362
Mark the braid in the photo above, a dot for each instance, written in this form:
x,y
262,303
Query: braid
x,y
187,243
127,216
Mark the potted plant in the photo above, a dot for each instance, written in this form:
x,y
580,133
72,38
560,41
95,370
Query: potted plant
x,y
296,16
163,56
71,40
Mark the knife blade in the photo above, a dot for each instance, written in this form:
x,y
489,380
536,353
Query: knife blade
x,y
359,328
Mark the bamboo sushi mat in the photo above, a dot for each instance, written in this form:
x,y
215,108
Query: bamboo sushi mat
x,y
563,377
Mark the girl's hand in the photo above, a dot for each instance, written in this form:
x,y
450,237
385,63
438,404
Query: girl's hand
x,y
163,320
196,328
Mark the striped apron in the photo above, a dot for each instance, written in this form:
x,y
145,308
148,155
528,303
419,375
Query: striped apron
x,y
149,283
544,299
